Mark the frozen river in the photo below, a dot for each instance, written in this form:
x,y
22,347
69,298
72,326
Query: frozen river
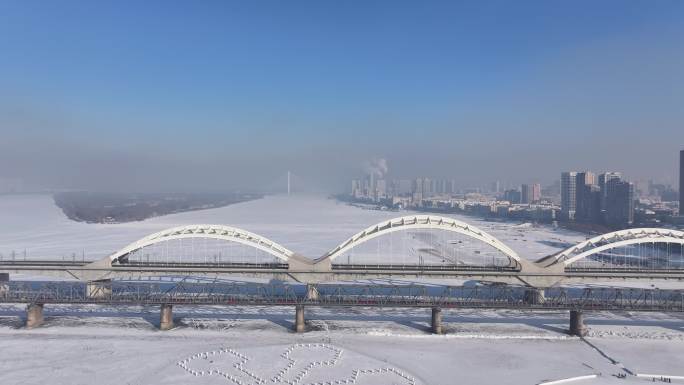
x,y
254,345
308,225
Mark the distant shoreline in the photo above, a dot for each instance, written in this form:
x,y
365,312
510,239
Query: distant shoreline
x,y
578,228
115,208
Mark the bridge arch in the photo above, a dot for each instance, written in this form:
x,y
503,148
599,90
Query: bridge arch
x,y
429,222
615,239
220,232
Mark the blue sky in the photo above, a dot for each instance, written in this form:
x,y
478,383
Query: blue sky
x,y
520,89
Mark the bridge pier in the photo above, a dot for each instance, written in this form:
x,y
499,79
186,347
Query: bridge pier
x,y
534,296
577,327
299,319
99,289
166,317
34,315
436,324
4,284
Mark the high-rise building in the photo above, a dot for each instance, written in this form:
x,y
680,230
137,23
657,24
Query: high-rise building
x,y
536,192
440,186
512,196
356,188
586,177
568,194
591,204
619,203
418,186
369,185
603,180
584,180
530,193
454,187
681,183
402,187
525,194
380,189
428,187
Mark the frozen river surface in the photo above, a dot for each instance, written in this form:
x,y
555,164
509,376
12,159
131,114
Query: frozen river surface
x,y
253,345
308,225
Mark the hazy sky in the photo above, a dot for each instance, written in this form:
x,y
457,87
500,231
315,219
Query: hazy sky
x,y
206,95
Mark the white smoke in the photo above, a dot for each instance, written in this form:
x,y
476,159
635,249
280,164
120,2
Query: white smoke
x,y
376,167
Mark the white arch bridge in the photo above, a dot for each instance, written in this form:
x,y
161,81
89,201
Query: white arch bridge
x,y
409,247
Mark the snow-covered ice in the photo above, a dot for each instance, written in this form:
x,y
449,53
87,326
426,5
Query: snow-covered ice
x,y
309,225
255,345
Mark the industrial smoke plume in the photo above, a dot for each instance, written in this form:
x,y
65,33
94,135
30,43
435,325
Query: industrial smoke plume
x,y
376,167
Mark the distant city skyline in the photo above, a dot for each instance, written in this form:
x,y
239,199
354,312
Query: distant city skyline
x,y
18,184
580,199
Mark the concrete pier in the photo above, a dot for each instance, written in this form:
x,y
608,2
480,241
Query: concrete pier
x,y
4,287
436,320
99,289
166,317
577,327
299,319
534,296
34,315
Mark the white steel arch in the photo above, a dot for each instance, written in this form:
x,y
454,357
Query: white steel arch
x,y
227,233
421,222
617,239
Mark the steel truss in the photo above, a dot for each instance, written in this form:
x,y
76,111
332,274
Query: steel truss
x,y
185,292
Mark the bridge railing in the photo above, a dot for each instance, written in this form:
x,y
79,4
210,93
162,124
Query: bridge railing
x,y
422,267
228,265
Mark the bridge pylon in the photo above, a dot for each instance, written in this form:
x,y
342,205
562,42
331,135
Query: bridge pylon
x,y
166,317
4,286
436,320
299,325
577,327
34,315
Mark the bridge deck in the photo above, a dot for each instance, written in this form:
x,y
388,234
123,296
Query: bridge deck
x,y
87,271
